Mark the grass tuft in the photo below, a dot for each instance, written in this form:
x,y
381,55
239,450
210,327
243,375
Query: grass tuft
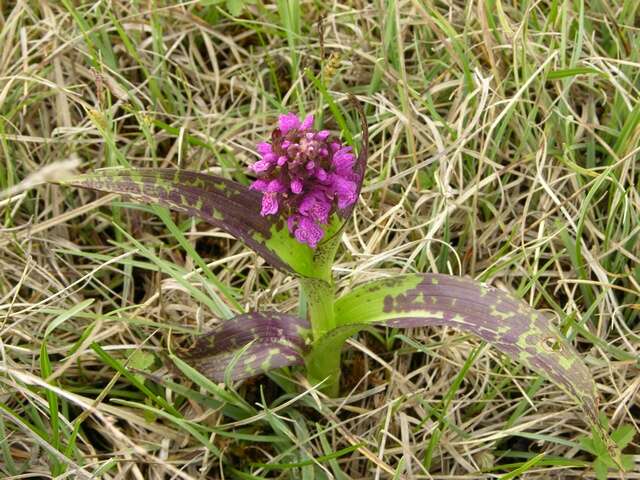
x,y
505,145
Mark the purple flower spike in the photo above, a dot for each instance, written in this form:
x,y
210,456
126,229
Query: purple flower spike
x,y
305,175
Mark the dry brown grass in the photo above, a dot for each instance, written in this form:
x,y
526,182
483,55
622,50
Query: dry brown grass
x,y
504,147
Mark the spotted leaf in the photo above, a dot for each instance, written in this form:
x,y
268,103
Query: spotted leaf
x,y
223,203
256,342
505,322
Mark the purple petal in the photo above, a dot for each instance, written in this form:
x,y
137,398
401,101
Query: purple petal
x,y
308,232
343,160
276,186
296,186
316,206
321,174
264,148
260,166
345,191
260,185
307,123
269,204
288,122
322,135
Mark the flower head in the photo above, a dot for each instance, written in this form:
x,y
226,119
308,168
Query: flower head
x,y
304,175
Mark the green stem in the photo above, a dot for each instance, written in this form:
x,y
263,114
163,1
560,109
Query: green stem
x,y
319,293
320,297
323,361
326,370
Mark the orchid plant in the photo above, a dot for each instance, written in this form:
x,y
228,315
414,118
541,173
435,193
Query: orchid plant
x,y
293,215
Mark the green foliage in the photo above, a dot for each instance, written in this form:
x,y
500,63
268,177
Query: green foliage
x,y
143,361
504,140
607,451
234,7
239,350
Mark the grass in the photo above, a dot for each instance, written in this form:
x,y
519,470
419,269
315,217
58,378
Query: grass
x,y
505,146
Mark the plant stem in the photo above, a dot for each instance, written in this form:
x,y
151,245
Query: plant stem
x,y
319,294
325,369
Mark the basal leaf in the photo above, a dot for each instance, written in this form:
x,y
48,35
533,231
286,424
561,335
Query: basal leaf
x,y
256,342
223,203
498,318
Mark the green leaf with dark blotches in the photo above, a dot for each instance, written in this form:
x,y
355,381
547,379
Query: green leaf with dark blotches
x,y
247,345
223,203
507,323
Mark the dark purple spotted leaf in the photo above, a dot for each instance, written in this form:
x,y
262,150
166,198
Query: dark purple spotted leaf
x,y
257,342
507,323
223,203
